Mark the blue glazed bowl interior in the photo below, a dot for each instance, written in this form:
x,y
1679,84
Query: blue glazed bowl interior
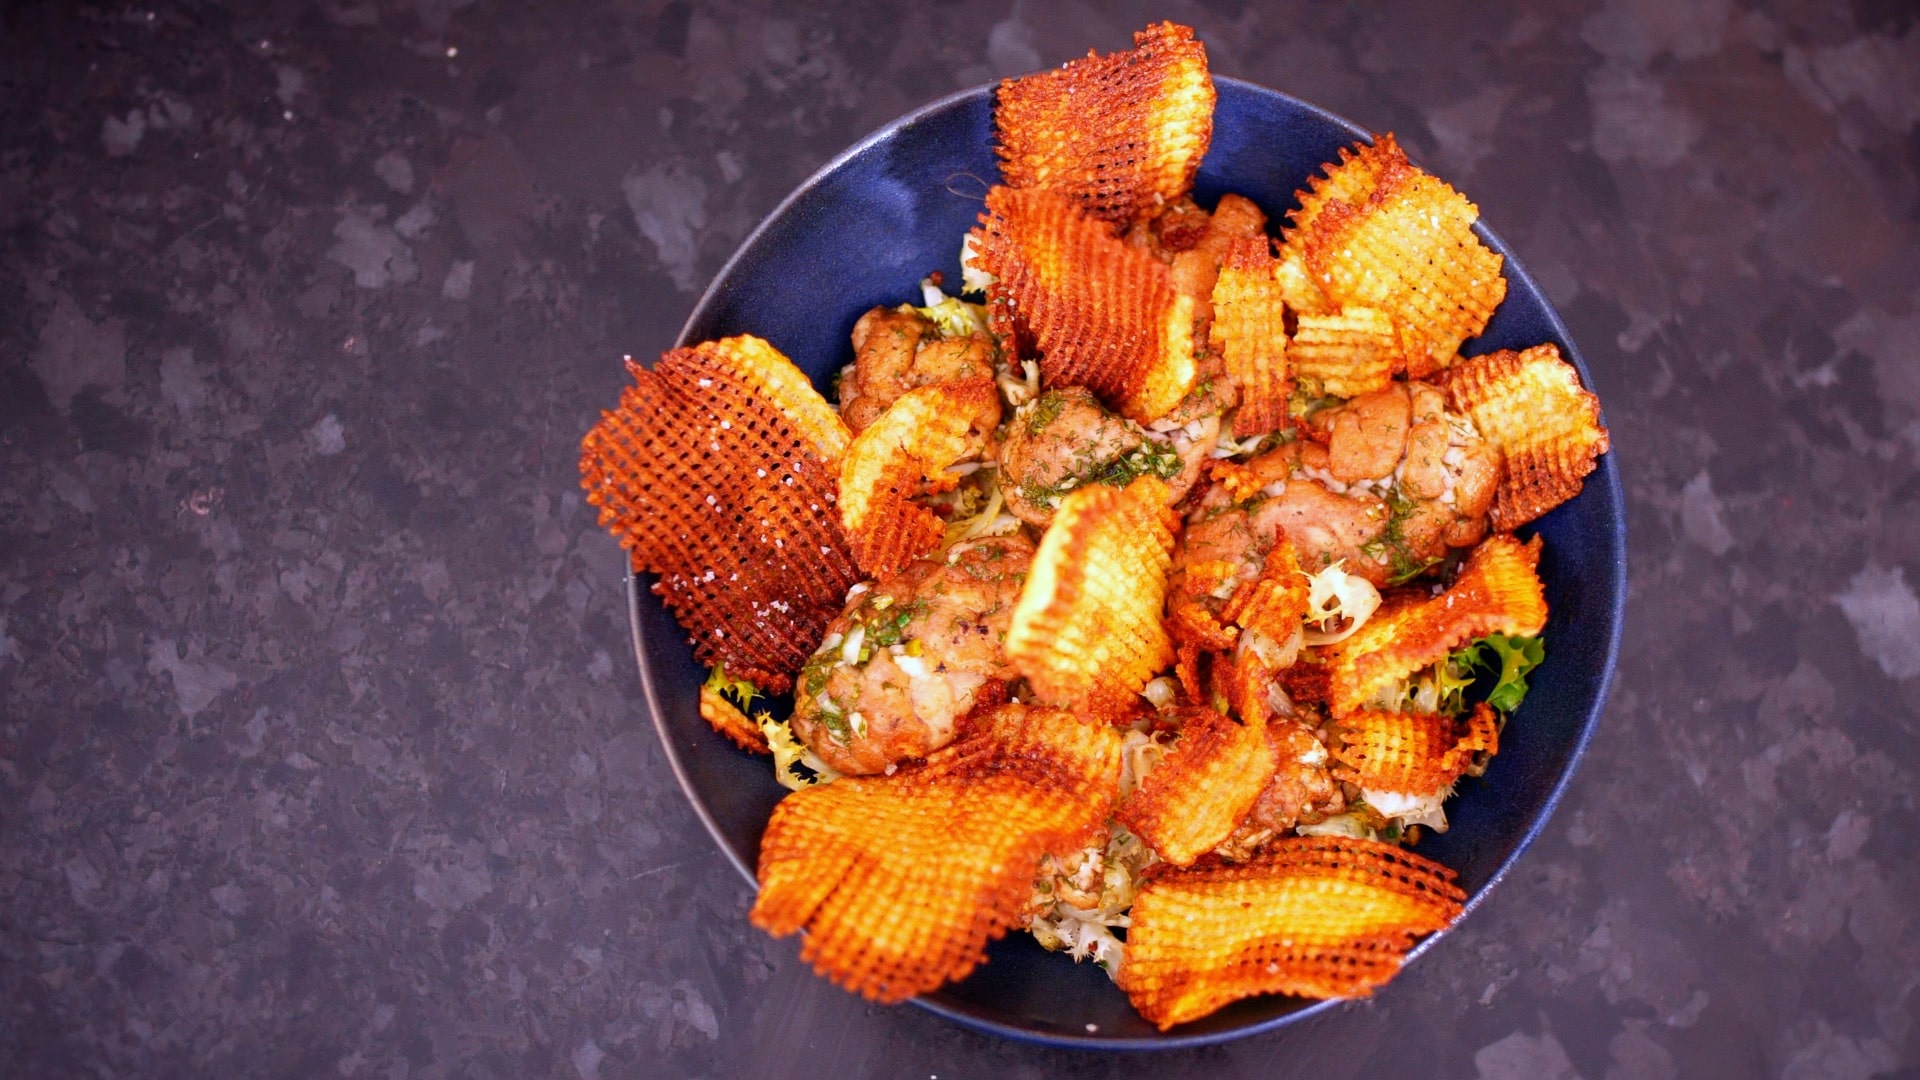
x,y
862,232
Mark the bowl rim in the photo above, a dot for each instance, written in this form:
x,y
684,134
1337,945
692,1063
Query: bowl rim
x,y
1608,474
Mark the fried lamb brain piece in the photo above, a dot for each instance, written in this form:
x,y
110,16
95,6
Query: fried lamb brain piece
x,y
1498,592
1102,313
1377,232
1318,917
1120,134
718,473
1088,632
1412,753
1547,427
900,881
1192,800
1250,331
906,453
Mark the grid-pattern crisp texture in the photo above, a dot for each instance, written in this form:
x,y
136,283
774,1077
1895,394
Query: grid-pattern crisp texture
x,y
1345,354
1547,427
1297,287
1498,592
1190,609
1380,233
1275,602
1121,134
1193,799
1101,313
718,473
900,881
1087,632
1250,331
715,709
1314,916
1412,753
904,454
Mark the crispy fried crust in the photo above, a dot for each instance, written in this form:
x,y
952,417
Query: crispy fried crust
x,y
1190,618
1498,592
1249,329
1313,916
1380,233
1412,753
1275,602
1121,134
1297,287
1190,802
728,720
1351,352
1547,427
900,881
718,473
904,454
1101,313
1087,631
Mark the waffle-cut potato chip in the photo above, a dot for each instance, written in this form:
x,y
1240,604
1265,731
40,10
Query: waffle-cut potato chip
x,y
1101,313
718,473
1087,632
1316,916
1352,352
1350,180
1380,233
1297,287
1412,753
1240,482
1498,591
1246,680
1275,602
1250,331
728,720
1189,616
905,454
1547,427
1186,667
1307,682
900,881
1208,781
1121,134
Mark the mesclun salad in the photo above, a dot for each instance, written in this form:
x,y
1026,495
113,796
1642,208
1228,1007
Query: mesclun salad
x,y
1151,593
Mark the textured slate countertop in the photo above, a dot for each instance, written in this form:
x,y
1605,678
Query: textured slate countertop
x,y
321,750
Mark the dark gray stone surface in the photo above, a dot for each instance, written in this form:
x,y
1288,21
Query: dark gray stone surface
x,y
320,744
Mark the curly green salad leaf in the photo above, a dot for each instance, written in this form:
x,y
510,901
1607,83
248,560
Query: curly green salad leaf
x,y
1512,656
741,692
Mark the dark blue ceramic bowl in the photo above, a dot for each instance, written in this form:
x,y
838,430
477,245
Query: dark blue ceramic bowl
x,y
863,231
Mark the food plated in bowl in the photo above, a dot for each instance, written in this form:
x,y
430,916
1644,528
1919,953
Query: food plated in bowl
x,y
858,238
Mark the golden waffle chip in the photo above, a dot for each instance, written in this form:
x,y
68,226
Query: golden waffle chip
x,y
900,881
1240,481
1275,602
1101,313
1250,331
904,454
1352,352
1349,180
1247,680
1412,753
1547,427
1380,233
1190,618
1191,801
1318,916
1498,592
718,473
1297,287
1087,632
1121,134
1186,667
728,720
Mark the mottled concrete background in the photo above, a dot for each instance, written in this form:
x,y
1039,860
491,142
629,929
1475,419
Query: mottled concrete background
x,y
321,750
